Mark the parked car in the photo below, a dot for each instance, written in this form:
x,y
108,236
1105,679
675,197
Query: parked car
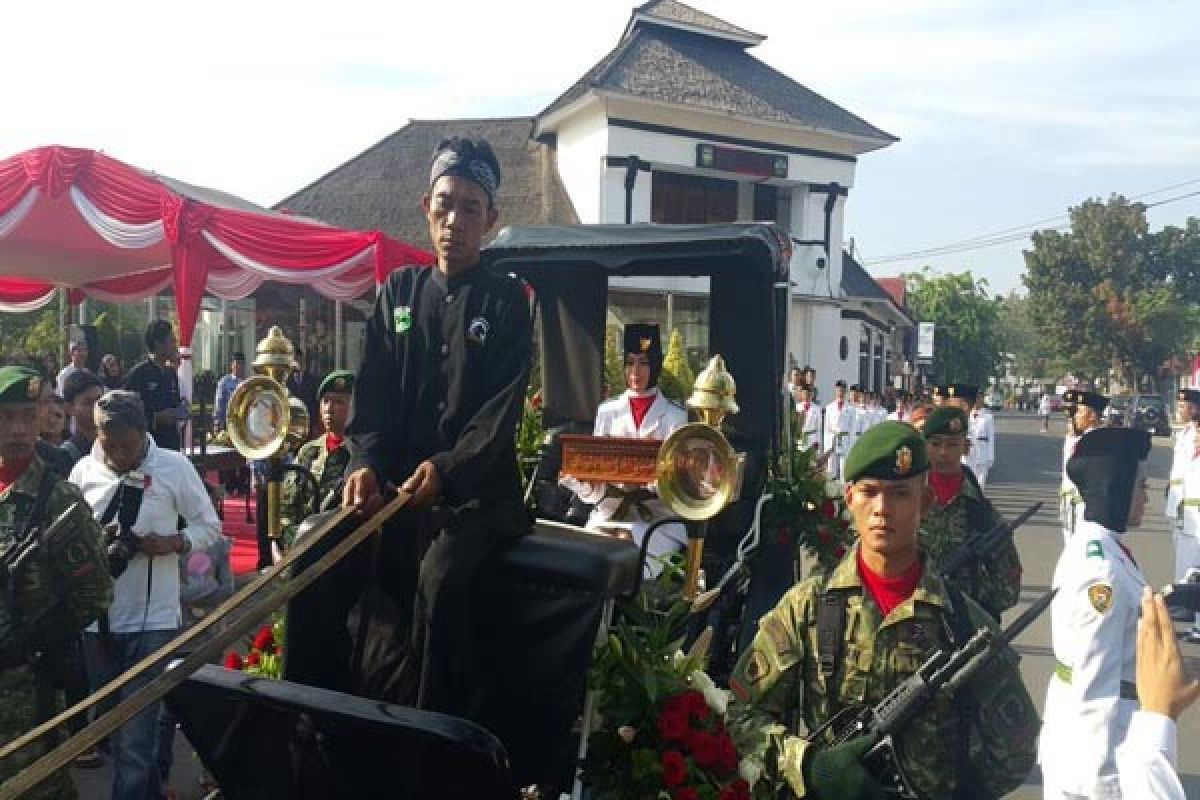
x,y
1117,413
1146,411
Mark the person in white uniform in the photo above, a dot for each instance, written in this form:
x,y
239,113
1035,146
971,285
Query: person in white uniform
x,y
1146,759
640,412
1183,496
1092,696
903,412
808,419
1084,412
839,429
982,433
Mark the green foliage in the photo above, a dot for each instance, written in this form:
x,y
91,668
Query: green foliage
x,y
1111,294
46,335
614,362
677,376
806,509
530,434
968,347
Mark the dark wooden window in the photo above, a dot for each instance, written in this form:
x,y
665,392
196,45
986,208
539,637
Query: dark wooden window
x,y
766,203
692,199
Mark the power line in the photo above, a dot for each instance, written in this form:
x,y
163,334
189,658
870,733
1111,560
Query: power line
x,y
1018,232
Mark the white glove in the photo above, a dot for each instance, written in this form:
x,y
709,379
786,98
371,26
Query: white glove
x,y
587,492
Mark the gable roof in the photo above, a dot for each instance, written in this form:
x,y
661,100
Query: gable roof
x,y
677,67
381,188
856,282
672,13
896,287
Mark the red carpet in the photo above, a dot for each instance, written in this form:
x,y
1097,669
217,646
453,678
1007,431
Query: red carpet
x,y
244,556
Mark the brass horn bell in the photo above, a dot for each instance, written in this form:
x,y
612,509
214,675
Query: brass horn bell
x,y
697,472
258,417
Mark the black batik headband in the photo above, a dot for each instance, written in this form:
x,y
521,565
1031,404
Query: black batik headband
x,y
449,162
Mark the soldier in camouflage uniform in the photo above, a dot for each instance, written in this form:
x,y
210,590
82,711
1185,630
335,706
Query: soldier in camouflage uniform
x,y
892,613
57,590
325,457
960,509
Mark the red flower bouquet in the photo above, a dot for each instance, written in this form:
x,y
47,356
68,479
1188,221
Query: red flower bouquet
x,y
662,731
264,654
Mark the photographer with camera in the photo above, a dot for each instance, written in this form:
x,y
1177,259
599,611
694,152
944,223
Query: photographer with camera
x,y
154,509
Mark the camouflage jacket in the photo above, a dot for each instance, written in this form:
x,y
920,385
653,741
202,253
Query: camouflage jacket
x,y
48,602
996,583
777,684
328,468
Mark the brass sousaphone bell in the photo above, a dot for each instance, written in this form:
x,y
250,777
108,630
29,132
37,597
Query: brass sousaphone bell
x,y
261,416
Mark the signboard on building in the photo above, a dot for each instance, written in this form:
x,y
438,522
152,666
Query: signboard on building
x,y
743,162
925,341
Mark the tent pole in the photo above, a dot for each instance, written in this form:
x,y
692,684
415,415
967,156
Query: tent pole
x,y
338,335
64,317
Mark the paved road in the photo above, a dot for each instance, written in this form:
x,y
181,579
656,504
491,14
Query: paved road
x,y
1027,470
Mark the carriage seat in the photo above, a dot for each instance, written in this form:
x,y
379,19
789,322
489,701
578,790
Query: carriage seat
x,y
565,557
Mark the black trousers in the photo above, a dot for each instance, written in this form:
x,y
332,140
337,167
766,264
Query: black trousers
x,y
398,620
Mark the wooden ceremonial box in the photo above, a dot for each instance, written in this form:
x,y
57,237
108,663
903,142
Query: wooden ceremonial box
x,y
609,459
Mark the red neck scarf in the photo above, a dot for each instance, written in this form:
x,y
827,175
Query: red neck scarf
x,y
889,592
638,406
945,487
333,442
10,472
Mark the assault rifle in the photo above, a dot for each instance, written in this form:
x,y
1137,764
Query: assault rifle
x,y
943,671
12,627
20,552
981,544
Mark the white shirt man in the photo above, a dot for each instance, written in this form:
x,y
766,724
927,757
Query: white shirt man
x,y
1092,696
1183,496
982,432
902,413
839,430
1146,759
171,488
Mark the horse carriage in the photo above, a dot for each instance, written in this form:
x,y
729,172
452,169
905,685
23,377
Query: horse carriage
x,y
312,736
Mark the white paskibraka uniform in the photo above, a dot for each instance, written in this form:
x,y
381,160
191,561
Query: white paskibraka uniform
x,y
839,434
1092,696
1183,504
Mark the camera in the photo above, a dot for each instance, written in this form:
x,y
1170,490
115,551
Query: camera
x,y
121,545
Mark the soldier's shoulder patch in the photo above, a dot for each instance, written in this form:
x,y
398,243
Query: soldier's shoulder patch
x,y
1095,549
776,634
758,667
1100,595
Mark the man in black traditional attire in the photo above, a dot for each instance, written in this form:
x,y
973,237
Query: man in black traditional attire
x,y
438,398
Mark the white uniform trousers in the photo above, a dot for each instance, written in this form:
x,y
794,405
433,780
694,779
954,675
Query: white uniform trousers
x,y
1187,544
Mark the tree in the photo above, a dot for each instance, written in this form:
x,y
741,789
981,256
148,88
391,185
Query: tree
x,y
1021,340
1110,295
614,362
968,346
677,376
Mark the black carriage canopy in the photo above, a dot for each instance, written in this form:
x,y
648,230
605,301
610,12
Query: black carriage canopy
x,y
569,267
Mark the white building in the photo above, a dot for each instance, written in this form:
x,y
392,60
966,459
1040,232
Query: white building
x,y
680,123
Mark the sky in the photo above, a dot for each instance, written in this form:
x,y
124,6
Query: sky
x,y
1007,113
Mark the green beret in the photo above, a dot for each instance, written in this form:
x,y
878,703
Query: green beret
x,y
946,420
890,451
19,385
341,380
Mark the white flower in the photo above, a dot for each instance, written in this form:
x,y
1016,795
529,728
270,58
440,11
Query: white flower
x,y
833,488
627,732
717,699
678,659
750,770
